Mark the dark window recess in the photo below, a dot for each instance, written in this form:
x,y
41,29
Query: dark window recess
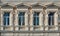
x,y
36,18
51,18
21,19
6,18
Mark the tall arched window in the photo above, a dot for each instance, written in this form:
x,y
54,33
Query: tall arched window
x,y
36,18
51,18
6,18
21,18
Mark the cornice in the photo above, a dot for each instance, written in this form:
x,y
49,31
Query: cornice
x,y
30,4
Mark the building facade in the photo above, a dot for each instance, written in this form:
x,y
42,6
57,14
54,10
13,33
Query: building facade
x,y
29,19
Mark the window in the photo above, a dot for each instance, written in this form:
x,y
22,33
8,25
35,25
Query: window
x,y
21,19
36,18
51,18
6,18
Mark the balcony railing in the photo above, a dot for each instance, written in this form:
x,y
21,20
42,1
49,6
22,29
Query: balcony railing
x,y
8,27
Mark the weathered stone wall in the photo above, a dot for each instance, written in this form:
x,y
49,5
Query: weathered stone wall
x,y
30,34
29,21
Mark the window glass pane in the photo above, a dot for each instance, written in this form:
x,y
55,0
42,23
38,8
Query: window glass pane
x,y
51,19
21,18
6,18
36,18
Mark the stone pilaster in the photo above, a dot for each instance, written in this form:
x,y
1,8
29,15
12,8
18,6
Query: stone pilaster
x,y
46,21
41,21
56,20
26,20
1,20
30,18
15,18
11,20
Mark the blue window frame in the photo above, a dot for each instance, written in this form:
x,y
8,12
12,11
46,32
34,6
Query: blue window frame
x,y
51,18
6,18
36,18
21,19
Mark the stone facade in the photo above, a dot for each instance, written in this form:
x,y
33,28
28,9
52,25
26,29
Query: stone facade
x,y
43,29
